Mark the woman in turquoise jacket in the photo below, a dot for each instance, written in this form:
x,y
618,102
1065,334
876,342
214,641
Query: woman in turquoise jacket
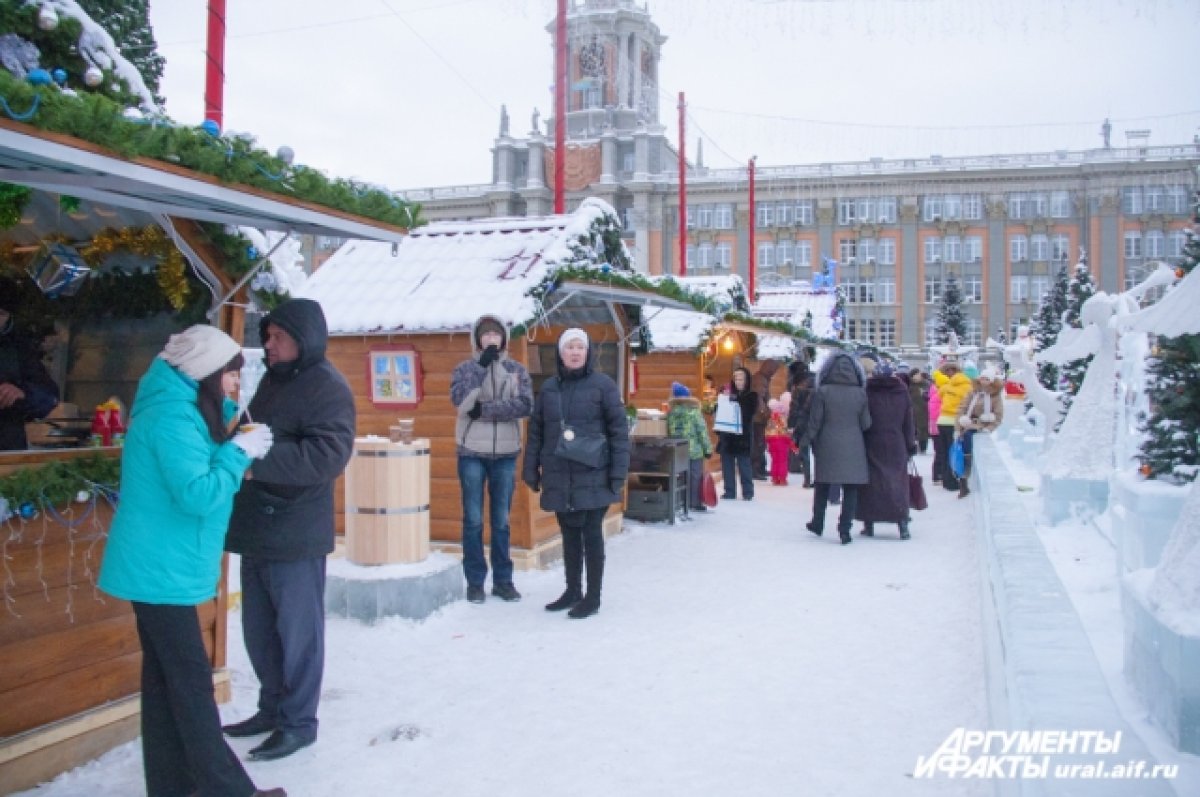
x,y
179,472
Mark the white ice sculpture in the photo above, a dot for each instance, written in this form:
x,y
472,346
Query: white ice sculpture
x,y
1020,359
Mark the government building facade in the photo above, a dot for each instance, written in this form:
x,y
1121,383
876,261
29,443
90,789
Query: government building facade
x,y
1002,224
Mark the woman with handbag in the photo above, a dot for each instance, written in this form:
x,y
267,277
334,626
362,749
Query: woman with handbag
x,y
981,411
577,456
736,447
890,442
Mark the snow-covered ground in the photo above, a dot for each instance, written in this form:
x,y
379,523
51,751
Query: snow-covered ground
x,y
735,654
1086,563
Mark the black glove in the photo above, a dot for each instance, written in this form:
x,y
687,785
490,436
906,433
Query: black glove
x,y
475,411
617,485
489,356
912,451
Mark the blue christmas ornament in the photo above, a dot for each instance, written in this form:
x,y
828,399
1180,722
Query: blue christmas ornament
x,y
27,511
211,127
60,76
39,77
605,267
252,253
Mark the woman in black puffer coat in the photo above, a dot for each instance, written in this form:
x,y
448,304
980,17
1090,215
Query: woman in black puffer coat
x,y
735,449
585,403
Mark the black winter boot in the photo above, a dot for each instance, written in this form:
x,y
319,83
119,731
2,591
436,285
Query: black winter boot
x,y
573,565
903,524
868,529
844,533
595,582
565,601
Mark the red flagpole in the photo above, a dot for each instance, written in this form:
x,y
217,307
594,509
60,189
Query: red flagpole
x,y
753,223
682,189
214,78
560,106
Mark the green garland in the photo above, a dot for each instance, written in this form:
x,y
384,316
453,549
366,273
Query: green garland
x,y
57,483
237,261
13,199
101,121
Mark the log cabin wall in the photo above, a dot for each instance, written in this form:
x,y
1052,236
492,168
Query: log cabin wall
x,y
656,372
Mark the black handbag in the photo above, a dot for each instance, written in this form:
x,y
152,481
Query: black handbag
x,y
588,450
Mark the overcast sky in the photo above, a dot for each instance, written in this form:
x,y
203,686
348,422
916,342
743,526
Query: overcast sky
x,y
407,93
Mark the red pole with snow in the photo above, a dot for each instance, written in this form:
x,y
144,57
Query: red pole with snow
x,y
682,190
214,77
753,223
560,106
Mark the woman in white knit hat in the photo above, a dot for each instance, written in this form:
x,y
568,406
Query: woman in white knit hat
x,y
179,471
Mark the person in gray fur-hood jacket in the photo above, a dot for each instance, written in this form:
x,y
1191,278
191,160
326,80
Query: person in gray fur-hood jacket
x,y
491,394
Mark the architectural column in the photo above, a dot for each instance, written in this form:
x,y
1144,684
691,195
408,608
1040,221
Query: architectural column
x,y
741,223
995,260
1106,257
535,174
608,155
635,101
505,164
641,231
641,154
912,289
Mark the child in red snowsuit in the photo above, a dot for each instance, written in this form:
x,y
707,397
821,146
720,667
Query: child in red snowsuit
x,y
778,442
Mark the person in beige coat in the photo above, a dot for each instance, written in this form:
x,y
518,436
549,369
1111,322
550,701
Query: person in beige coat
x,y
981,411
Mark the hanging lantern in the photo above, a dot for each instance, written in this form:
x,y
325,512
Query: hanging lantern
x,y
59,270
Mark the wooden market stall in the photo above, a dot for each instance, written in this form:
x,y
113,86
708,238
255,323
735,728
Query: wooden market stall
x,y
69,655
400,319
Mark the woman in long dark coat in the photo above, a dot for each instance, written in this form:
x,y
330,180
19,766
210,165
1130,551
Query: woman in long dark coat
x,y
890,442
836,422
800,385
918,392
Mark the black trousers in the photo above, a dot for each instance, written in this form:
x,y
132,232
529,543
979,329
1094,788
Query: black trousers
x,y
821,500
583,539
283,624
941,459
183,750
758,451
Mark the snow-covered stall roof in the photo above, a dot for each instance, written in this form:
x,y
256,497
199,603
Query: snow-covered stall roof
x,y
792,304
445,275
677,330
726,290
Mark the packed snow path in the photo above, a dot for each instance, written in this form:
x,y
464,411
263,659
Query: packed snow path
x,y
734,654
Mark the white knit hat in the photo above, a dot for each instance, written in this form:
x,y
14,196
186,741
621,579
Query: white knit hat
x,y
574,333
200,351
990,372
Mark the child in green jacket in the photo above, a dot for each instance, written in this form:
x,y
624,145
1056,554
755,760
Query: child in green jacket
x,y
685,421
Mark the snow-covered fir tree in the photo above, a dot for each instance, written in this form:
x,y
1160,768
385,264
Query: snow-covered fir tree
x,y
950,317
1046,324
1172,447
128,21
1079,290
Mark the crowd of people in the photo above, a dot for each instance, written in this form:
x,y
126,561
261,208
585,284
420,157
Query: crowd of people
x,y
198,479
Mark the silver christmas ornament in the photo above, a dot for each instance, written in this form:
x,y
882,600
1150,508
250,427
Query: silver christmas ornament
x,y
286,154
47,19
93,76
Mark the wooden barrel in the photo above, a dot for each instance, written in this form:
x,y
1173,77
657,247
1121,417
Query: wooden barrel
x,y
387,501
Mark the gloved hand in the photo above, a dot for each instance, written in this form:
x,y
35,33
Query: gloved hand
x,y
256,442
534,485
489,356
912,451
617,486
709,455
475,411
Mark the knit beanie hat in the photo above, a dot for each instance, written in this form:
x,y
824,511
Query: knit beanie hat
x,y
884,369
679,390
490,325
574,333
200,351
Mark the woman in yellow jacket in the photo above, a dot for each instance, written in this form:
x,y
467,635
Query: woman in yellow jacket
x,y
953,386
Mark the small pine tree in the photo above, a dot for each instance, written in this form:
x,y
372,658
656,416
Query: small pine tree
x,y
1172,446
1046,325
1080,289
951,317
128,21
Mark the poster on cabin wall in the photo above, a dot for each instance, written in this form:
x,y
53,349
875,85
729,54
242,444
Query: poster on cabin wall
x,y
394,376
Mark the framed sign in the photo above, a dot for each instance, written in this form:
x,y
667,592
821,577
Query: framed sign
x,y
394,376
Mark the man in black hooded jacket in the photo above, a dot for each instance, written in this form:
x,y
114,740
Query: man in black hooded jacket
x,y
283,525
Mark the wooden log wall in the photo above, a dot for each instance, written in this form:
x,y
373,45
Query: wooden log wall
x,y
66,647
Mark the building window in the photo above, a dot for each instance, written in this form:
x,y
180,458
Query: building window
x,y
972,206
933,250
785,214
1060,247
1177,199
885,210
847,211
1039,205
973,249
850,292
847,249
766,255
887,291
931,338
952,249
705,258
866,293
887,332
766,215
627,163
784,255
704,217
804,213
1133,244
1038,287
952,206
974,332
933,207
1131,200
973,289
691,218
1060,204
1018,206
627,216
1018,249
804,253
1176,241
866,250
933,290
692,260
724,254
723,217
1154,199
1039,247
1155,244
887,251
852,328
1018,289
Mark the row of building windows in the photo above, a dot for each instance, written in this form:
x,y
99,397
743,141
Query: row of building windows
x,y
1155,243
1154,199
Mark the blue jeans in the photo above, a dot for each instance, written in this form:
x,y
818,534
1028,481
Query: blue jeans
x,y
744,470
500,475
